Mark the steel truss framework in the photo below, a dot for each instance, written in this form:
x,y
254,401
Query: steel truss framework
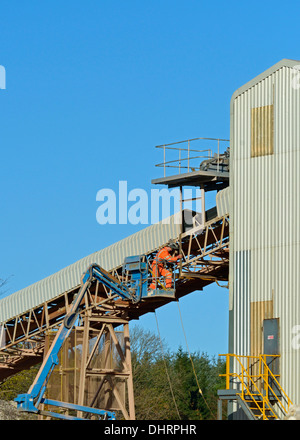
x,y
205,255
205,251
95,367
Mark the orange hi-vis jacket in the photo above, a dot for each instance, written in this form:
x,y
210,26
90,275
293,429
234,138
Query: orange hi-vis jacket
x,y
163,255
158,267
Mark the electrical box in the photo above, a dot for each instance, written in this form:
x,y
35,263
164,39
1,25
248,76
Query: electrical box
x,y
271,336
271,347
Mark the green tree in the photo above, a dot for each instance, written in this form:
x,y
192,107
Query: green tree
x,y
166,384
196,381
153,399
17,384
173,386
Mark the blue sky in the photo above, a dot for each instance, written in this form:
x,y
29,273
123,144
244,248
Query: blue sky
x,y
91,88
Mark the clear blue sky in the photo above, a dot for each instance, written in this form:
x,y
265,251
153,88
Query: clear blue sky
x,y
92,87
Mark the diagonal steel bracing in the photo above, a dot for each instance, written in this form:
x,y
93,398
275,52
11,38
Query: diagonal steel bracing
x,y
205,251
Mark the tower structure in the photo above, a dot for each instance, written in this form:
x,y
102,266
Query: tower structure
x,y
264,301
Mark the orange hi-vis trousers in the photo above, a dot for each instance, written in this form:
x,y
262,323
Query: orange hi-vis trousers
x,y
160,270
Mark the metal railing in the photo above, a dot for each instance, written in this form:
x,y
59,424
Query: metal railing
x,y
213,148
255,378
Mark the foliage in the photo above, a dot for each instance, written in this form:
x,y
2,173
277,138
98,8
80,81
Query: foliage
x,y
150,389
17,384
166,384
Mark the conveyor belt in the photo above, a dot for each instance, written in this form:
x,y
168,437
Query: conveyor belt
x,y
23,334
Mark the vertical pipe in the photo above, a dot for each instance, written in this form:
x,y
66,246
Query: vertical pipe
x,y
219,409
179,160
227,371
85,347
248,375
181,231
203,204
218,166
188,156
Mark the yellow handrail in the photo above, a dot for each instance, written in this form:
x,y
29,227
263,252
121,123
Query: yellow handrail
x,y
268,387
244,386
249,382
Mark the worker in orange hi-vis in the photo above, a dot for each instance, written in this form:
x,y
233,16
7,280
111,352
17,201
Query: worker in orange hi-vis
x,y
159,264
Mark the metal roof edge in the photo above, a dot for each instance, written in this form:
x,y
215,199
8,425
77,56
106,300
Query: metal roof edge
x,y
285,62
106,248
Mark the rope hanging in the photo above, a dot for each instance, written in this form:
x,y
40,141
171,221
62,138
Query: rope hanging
x,y
195,374
169,380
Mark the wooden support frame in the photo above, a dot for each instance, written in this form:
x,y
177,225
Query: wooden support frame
x,y
107,382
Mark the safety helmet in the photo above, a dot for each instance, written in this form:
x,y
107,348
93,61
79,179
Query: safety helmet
x,y
173,245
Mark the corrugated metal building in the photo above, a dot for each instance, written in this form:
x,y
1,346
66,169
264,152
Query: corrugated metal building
x,y
265,217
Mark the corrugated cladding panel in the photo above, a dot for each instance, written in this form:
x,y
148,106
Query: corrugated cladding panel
x,y
222,201
265,212
111,257
241,302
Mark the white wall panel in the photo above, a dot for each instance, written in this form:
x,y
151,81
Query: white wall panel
x,y
265,214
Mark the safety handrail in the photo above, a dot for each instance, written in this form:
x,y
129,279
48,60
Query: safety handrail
x,y
248,381
248,390
268,387
205,153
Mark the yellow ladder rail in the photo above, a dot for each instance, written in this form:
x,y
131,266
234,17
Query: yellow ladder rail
x,y
269,388
264,400
241,376
249,383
